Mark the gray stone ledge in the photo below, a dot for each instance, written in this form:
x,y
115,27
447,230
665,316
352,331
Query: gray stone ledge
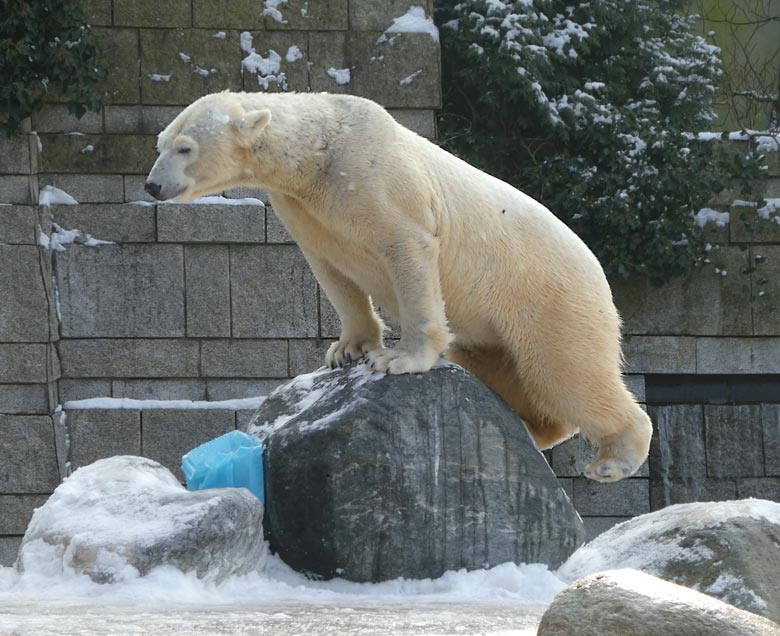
x,y
737,355
153,389
24,399
92,188
660,354
120,223
129,358
236,389
96,434
193,223
244,358
56,118
71,390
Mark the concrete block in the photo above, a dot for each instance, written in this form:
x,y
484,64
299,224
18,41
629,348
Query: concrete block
x,y
120,223
678,461
567,486
323,15
307,355
244,358
120,55
227,14
23,363
737,355
71,390
18,189
25,399
97,434
129,358
626,498
169,434
117,291
18,224
399,71
766,289
28,463
56,118
328,50
15,157
275,231
134,189
210,223
636,385
24,310
421,121
369,15
207,272
235,389
761,488
703,303
770,424
97,12
246,193
148,13
9,548
296,73
139,120
747,226
219,62
98,154
53,367
93,188
181,389
594,526
734,441
273,293
660,354
244,417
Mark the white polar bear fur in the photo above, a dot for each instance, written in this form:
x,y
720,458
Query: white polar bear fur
x,y
469,266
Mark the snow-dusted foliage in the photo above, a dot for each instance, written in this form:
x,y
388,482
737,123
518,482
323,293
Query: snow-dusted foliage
x,y
589,107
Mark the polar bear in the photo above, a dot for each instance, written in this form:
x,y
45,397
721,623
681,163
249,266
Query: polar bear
x,y
469,266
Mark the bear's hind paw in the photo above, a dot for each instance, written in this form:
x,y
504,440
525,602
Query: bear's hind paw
x,y
396,361
608,469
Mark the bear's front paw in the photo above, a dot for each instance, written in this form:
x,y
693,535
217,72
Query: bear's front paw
x,y
346,351
397,361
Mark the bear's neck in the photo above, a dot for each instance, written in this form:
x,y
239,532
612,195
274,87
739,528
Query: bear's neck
x,y
294,153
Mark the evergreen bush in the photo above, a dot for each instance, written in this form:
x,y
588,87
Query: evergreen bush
x,y
593,108
45,46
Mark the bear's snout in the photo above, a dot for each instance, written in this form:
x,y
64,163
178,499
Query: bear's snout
x,y
153,189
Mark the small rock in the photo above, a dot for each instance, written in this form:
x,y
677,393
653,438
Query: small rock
x,y
631,603
729,550
372,477
120,517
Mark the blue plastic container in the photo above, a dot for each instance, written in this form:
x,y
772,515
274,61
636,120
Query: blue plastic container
x,y
233,460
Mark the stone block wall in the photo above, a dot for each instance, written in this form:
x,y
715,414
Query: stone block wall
x,y
215,302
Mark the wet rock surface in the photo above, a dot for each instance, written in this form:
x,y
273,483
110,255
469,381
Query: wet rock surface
x,y
728,550
372,477
631,603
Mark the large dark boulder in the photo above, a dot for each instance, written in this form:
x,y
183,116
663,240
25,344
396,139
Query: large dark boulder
x,y
631,603
729,550
371,477
121,517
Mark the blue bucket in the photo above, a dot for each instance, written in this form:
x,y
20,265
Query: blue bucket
x,y
233,460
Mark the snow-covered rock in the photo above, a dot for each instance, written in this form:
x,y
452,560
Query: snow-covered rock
x,y
729,550
121,517
623,602
371,477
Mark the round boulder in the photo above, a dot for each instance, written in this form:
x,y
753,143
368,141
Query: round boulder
x,y
120,517
371,477
727,549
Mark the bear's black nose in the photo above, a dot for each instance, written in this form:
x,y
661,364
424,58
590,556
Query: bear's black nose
x,y
153,189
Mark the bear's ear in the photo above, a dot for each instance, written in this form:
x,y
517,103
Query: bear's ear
x,y
253,123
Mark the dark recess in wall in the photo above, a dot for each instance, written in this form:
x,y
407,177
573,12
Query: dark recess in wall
x,y
712,389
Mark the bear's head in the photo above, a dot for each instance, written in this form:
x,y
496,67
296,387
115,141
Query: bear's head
x,y
205,149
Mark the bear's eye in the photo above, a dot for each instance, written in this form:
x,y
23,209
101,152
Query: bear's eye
x,y
185,150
